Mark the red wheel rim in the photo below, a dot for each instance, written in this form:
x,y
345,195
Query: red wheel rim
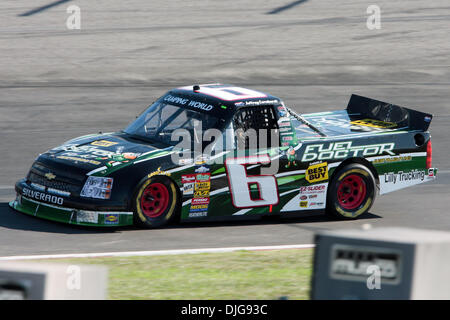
x,y
154,200
351,192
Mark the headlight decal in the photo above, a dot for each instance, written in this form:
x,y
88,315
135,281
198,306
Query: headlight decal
x,y
97,187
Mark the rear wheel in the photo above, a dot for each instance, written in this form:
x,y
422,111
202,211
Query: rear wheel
x,y
155,202
351,193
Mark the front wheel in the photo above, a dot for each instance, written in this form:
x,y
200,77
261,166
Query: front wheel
x,y
155,203
351,193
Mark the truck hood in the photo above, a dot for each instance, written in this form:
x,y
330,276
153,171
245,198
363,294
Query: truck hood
x,y
103,152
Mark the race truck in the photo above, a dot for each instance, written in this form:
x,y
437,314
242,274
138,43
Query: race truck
x,y
261,158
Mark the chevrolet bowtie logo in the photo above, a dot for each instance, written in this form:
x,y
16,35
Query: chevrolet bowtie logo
x,y
50,176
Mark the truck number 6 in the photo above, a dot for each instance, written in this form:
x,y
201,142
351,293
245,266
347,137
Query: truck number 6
x,y
240,183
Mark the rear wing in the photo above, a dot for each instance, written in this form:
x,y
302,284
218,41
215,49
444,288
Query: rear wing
x,y
387,112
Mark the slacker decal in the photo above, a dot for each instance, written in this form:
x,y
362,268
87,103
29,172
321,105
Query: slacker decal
x,y
317,172
393,181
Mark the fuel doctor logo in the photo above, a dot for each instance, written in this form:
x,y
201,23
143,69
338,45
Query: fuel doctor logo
x,y
342,150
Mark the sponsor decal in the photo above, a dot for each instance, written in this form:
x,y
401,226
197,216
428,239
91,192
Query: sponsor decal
x,y
202,159
203,177
158,172
188,178
201,193
86,151
199,207
197,201
317,172
112,218
37,186
202,169
317,193
393,181
103,143
431,172
374,123
392,159
341,150
284,124
315,204
87,216
78,159
315,189
58,192
260,102
404,176
187,102
341,121
202,185
37,195
291,157
118,158
282,111
183,162
194,214
188,181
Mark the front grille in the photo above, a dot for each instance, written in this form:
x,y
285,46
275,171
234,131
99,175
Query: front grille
x,y
61,181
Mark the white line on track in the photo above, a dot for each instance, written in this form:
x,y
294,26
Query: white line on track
x,y
155,253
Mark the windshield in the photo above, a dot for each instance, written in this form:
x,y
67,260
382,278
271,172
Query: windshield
x,y
161,119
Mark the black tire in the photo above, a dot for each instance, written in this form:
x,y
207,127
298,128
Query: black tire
x,y
351,192
163,211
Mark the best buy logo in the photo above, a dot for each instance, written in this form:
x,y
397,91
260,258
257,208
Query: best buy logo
x,y
317,172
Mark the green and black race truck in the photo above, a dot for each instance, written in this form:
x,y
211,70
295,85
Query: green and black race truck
x,y
332,162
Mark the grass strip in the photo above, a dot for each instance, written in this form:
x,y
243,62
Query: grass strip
x,y
269,274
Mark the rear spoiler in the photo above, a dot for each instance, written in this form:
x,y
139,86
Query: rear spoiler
x,y
387,112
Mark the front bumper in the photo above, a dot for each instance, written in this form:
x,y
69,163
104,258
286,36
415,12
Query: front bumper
x,y
60,213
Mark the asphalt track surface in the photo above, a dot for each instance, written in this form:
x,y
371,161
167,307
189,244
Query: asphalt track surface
x,y
56,84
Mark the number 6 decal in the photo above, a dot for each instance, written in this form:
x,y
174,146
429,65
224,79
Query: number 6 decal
x,y
240,183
